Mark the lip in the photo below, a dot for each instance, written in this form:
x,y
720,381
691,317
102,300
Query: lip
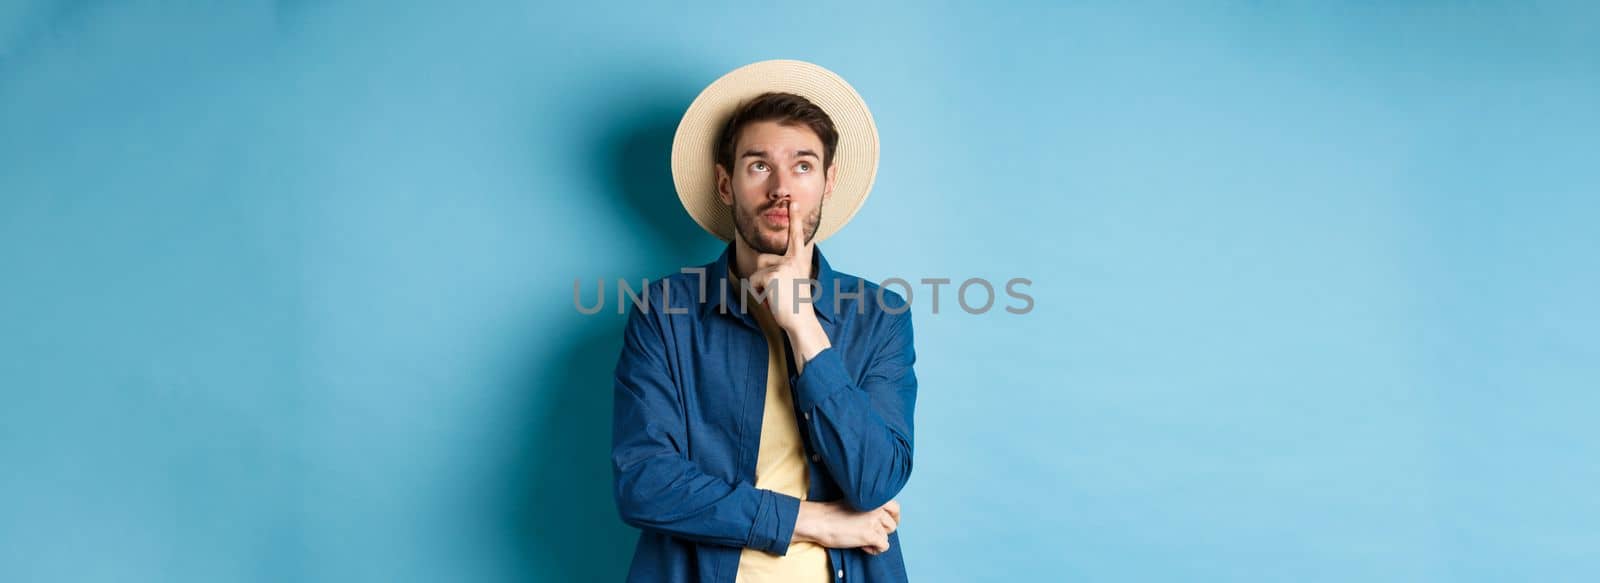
x,y
777,216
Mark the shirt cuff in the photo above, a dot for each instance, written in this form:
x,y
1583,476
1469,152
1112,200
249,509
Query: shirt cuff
x,y
774,526
823,376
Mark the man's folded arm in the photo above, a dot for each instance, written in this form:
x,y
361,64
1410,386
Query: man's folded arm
x,y
864,433
656,486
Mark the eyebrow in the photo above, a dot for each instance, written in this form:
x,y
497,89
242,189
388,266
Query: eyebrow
x,y
763,154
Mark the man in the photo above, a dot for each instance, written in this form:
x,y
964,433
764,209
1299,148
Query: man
x,y
762,427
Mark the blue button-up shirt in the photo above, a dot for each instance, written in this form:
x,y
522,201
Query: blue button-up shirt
x,y
686,429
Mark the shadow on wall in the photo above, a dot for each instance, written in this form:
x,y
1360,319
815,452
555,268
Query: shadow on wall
x,y
562,518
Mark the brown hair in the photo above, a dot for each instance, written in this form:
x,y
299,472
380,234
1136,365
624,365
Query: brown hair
x,y
786,109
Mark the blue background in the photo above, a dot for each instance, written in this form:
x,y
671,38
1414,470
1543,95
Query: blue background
x,y
287,286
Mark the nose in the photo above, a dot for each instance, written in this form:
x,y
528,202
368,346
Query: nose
x,y
780,187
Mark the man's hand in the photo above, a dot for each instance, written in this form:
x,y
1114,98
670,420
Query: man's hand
x,y
836,526
790,302
784,279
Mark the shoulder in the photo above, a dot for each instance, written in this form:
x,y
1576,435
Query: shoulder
x,y
673,293
857,297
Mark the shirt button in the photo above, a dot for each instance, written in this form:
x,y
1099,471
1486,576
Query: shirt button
x,y
807,414
816,457
841,573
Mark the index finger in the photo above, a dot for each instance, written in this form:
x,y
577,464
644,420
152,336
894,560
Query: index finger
x,y
795,229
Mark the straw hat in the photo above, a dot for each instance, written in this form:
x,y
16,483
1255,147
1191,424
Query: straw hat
x,y
694,145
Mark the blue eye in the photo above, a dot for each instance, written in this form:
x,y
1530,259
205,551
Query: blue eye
x,y
805,166
759,166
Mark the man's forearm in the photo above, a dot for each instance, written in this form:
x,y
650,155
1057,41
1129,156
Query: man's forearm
x,y
808,523
807,339
862,433
671,495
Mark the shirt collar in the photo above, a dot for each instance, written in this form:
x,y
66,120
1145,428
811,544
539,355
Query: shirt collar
x,y
721,289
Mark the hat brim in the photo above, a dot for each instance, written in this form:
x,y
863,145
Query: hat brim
x,y
694,145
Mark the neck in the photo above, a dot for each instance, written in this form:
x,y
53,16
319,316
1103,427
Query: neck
x,y
744,257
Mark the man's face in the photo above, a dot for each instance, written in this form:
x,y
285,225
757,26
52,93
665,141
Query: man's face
x,y
774,164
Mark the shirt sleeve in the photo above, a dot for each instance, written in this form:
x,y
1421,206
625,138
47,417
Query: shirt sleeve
x,y
863,433
656,485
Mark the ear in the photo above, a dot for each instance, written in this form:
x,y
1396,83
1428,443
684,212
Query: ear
x,y
724,186
827,191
